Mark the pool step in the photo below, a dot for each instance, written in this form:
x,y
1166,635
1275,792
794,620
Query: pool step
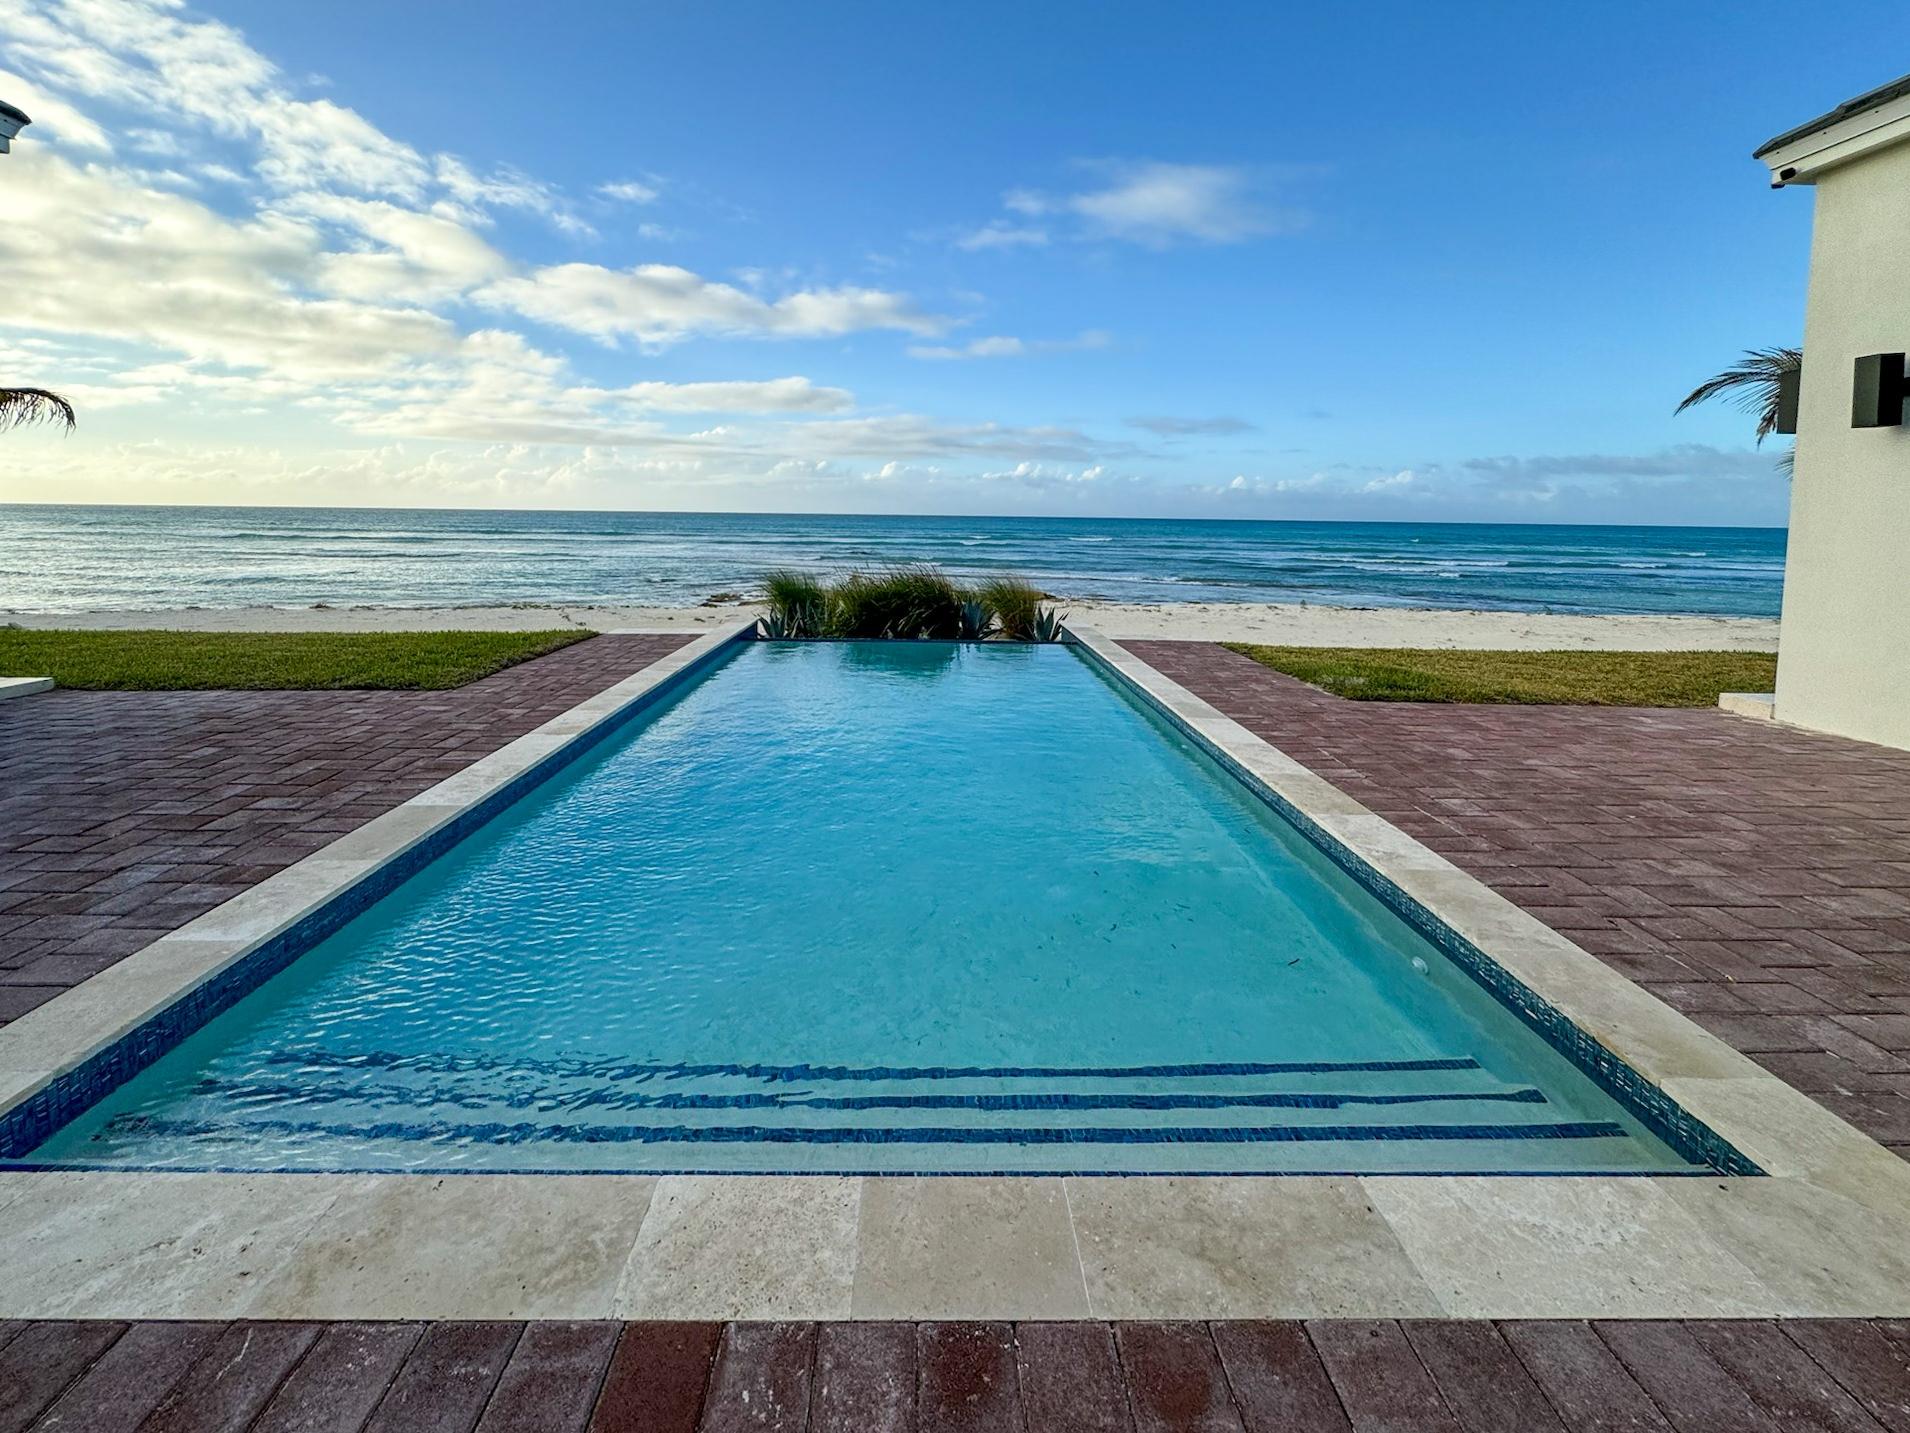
x,y
445,1105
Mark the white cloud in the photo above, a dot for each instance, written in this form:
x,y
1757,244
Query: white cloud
x,y
1005,347
630,191
406,254
53,118
471,195
999,234
1148,202
775,395
1168,426
1390,483
96,252
976,348
661,303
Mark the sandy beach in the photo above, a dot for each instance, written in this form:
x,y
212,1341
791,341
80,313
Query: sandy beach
x,y
1281,623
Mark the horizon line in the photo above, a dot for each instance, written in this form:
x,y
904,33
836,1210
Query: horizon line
x,y
879,516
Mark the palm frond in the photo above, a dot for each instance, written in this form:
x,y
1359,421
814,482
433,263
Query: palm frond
x,y
1753,384
34,405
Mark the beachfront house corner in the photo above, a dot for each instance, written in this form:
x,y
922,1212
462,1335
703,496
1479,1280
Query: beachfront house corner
x,y
1844,658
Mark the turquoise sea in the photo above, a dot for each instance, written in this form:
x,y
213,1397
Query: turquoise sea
x,y
65,558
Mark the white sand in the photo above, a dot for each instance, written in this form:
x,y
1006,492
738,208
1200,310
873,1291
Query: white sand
x,y
1287,623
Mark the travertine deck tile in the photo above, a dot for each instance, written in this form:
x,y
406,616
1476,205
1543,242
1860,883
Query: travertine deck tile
x,y
1578,1247
460,1246
959,1248
723,1246
1239,1247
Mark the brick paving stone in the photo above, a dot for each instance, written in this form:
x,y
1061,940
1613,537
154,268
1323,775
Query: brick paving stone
x,y
37,1366
1873,1368
1686,1383
966,1379
130,1378
1741,867
657,1377
1747,1376
761,1379
1070,1376
550,1385
1480,1377
1783,1380
447,1379
865,1378
233,1380
1582,1378
338,1383
1276,1378
1175,1380
126,814
1383,1386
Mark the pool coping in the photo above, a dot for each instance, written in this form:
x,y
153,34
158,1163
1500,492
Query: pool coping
x,y
1826,1230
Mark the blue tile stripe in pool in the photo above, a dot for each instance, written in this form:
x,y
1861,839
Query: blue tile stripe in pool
x,y
32,1121
287,1093
628,1070
443,1132
1664,1116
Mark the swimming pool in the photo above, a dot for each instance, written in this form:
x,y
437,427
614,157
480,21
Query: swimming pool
x,y
870,908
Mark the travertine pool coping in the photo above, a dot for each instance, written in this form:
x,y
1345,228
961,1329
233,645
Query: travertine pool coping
x,y
1825,1232
24,686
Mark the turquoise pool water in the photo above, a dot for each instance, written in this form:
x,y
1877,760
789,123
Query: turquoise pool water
x,y
874,907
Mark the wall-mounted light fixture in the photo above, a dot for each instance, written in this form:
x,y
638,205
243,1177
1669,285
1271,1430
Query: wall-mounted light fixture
x,y
12,121
1876,397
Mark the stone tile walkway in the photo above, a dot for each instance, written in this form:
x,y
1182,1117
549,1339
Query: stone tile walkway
x,y
1753,876
125,814
1318,1377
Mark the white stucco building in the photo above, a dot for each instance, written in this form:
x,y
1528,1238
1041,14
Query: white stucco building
x,y
1844,661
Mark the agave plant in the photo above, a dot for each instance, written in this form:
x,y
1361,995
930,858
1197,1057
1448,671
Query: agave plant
x,y
1755,383
798,605
1049,624
976,619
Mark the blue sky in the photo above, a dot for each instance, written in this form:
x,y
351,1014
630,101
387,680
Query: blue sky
x,y
1388,261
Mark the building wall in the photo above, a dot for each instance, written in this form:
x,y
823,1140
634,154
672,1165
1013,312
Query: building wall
x,y
1844,658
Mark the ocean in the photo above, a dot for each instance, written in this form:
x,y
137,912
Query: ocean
x,y
72,558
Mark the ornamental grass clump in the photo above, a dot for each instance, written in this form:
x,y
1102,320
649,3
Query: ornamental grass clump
x,y
1015,603
798,605
913,600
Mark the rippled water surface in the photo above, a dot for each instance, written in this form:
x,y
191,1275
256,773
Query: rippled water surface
x,y
868,907
55,559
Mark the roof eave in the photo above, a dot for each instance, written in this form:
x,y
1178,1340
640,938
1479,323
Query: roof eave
x,y
1855,128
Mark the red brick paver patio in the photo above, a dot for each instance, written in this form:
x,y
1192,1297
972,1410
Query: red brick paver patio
x,y
125,814
1753,876
1320,1377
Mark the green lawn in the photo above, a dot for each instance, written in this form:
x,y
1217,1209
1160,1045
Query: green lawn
x,y
1627,679
267,661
